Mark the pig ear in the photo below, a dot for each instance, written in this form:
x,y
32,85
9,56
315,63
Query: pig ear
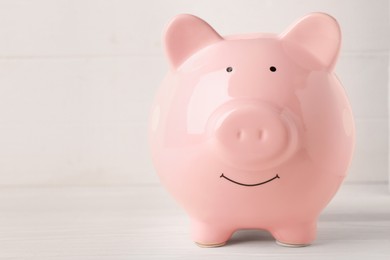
x,y
314,41
185,35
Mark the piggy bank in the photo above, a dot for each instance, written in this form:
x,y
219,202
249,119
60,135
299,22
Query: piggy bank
x,y
252,131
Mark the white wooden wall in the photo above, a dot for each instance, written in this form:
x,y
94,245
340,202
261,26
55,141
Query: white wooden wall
x,y
77,78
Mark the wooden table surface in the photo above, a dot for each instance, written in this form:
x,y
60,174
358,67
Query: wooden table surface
x,y
143,222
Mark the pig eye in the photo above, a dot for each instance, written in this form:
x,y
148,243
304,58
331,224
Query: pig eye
x,y
229,69
272,68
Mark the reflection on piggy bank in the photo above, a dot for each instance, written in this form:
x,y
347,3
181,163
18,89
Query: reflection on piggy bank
x,y
252,131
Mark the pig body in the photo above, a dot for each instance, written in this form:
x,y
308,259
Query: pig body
x,y
252,131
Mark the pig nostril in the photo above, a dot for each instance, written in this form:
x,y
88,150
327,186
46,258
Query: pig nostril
x,y
260,134
239,134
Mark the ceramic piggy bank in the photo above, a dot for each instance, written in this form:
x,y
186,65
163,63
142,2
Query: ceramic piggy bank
x,y
252,131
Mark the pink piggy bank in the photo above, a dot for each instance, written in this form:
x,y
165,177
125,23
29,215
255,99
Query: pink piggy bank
x,y
252,131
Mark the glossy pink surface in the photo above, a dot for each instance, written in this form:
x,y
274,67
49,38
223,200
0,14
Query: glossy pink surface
x,y
252,131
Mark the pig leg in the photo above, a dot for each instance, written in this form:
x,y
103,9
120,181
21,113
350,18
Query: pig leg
x,y
210,234
295,235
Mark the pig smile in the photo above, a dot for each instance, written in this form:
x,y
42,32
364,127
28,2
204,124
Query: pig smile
x,y
249,185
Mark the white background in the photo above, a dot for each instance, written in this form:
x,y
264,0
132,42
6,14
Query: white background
x,y
77,79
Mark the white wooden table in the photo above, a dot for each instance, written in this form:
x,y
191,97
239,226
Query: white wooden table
x,y
143,222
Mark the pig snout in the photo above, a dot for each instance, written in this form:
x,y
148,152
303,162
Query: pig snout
x,y
254,135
